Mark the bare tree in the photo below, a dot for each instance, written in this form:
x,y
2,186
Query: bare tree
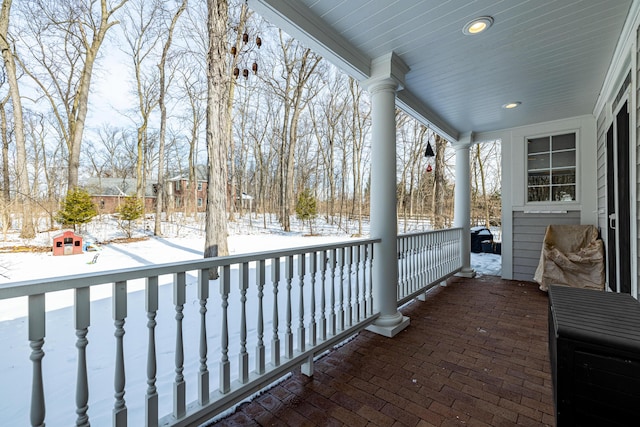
x,y
64,41
157,230
360,116
4,134
237,53
195,94
24,194
326,119
5,194
217,135
118,153
142,33
294,90
439,193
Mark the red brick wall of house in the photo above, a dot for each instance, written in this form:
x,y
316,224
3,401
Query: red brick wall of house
x,y
109,204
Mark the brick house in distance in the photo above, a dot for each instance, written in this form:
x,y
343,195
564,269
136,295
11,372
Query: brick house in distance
x,y
108,193
179,194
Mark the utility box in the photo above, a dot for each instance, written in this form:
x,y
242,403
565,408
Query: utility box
x,y
67,243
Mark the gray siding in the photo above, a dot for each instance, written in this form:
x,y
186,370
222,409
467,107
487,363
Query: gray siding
x,y
528,233
601,169
637,196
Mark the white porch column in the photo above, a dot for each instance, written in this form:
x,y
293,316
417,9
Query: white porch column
x,y
462,203
387,77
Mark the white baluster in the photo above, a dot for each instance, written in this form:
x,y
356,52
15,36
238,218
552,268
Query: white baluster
x,y
119,316
323,297
36,341
301,329
225,364
203,371
348,315
356,286
82,317
179,386
400,289
369,258
407,260
288,338
414,268
243,356
341,324
313,269
260,281
275,340
423,260
332,292
151,306
431,261
363,257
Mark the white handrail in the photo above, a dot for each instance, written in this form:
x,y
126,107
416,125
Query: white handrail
x,y
290,305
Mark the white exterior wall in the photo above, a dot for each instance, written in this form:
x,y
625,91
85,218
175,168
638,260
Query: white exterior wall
x,y
514,177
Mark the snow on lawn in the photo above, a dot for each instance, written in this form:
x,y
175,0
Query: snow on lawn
x,y
60,361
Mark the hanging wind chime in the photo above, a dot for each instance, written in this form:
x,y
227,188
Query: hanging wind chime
x,y
245,49
429,154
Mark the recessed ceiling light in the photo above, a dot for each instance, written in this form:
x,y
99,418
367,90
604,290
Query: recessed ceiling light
x,y
511,105
478,25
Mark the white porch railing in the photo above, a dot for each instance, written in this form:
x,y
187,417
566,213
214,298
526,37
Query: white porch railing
x,y
426,259
266,314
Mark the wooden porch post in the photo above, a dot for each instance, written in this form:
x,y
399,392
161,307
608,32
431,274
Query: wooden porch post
x,y
387,77
462,202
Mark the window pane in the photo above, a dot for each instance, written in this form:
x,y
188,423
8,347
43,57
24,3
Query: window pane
x,y
563,142
538,194
538,161
564,193
539,178
563,176
563,159
537,145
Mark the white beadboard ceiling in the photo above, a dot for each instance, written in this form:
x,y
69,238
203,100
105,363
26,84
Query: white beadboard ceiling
x,y
551,55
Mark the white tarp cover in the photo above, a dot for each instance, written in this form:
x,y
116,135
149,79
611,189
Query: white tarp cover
x,y
572,255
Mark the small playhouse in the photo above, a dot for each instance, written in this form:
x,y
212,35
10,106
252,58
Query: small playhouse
x,y
67,243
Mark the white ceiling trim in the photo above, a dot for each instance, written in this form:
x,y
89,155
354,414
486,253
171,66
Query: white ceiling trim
x,y
292,17
621,60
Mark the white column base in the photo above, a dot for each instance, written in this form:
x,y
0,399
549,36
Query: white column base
x,y
469,273
388,330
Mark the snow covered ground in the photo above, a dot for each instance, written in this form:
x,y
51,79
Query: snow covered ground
x,y
60,353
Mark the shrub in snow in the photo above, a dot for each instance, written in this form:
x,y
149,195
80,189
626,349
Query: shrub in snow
x,y
306,209
129,212
77,208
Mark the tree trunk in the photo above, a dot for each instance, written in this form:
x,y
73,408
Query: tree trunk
x,y
157,229
439,195
217,119
24,194
244,15
485,199
81,100
6,184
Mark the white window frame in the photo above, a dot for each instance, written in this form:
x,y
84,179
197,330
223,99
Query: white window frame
x,y
550,185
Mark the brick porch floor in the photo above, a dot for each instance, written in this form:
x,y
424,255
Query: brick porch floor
x,y
475,355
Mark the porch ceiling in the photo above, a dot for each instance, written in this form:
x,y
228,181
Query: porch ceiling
x,y
551,55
